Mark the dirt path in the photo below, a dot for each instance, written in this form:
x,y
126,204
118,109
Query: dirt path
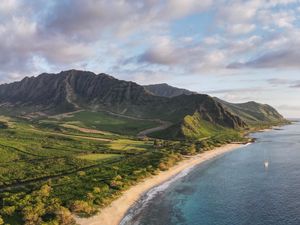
x,y
63,115
85,130
163,125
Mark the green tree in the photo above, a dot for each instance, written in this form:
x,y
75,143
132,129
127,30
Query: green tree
x,y
64,217
80,206
1,221
8,210
192,149
32,213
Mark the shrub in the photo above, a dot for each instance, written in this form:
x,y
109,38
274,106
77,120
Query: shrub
x,y
64,217
8,210
96,190
81,173
82,207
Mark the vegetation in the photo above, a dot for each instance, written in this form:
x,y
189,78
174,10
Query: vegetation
x,y
49,170
96,156
107,122
194,128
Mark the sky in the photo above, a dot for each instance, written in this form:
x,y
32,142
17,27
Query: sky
x,y
234,49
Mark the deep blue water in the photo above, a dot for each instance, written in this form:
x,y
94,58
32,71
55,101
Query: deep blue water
x,y
234,188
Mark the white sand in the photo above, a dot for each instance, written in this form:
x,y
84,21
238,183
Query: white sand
x,y
113,214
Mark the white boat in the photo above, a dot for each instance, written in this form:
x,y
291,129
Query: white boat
x,y
266,164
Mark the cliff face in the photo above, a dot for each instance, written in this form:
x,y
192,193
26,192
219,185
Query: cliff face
x,y
72,90
253,112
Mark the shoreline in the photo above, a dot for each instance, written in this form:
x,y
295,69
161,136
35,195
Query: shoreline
x,y
115,212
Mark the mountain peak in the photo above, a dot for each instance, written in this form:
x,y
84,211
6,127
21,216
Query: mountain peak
x,y
166,90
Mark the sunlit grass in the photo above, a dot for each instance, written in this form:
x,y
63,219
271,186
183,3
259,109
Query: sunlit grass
x,y
96,157
127,144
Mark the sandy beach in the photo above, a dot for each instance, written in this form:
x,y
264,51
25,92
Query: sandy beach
x,y
113,214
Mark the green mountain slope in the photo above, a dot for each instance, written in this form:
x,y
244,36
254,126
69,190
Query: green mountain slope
x,y
192,115
254,113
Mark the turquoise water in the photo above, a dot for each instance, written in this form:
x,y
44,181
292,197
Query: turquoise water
x,y
234,188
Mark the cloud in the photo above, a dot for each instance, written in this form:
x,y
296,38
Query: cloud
x,y
134,34
179,8
289,107
290,83
235,90
238,94
241,28
237,11
295,84
287,58
164,52
95,18
6,6
67,33
278,81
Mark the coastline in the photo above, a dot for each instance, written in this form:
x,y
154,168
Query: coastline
x,y
114,213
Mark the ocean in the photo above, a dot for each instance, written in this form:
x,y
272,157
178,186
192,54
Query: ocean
x,y
232,189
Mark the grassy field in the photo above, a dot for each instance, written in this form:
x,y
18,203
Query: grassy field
x,y
129,145
97,156
106,122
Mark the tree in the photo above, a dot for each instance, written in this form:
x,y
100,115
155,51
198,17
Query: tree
x,y
80,206
32,214
156,143
64,217
192,149
44,191
96,190
1,221
53,205
8,210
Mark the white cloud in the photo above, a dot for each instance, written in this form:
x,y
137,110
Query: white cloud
x,y
179,8
109,34
238,11
236,29
7,6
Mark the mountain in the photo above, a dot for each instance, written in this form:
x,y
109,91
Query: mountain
x,y
194,115
252,112
166,90
71,90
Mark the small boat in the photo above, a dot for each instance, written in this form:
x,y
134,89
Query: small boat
x,y
266,164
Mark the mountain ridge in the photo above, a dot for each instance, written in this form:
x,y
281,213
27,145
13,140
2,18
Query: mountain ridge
x,y
74,89
166,90
251,112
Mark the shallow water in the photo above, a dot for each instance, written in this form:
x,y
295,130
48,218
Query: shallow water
x,y
234,188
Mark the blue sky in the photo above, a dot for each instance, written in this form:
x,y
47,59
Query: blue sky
x,y
234,49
